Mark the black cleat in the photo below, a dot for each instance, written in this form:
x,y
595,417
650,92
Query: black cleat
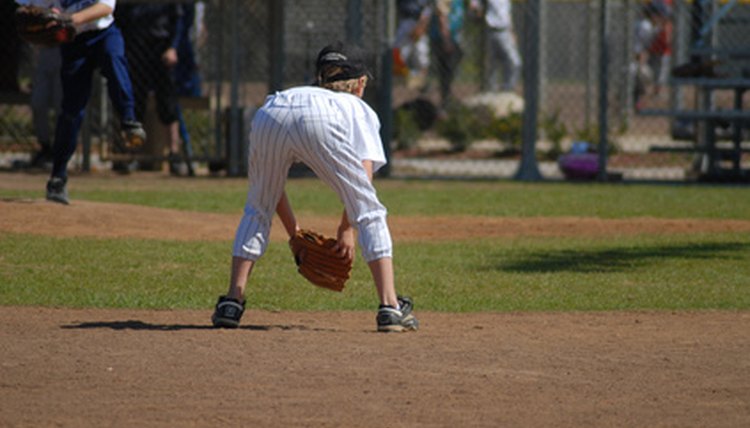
x,y
397,320
135,136
56,190
228,312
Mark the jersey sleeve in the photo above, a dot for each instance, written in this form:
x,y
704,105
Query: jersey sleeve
x,y
366,136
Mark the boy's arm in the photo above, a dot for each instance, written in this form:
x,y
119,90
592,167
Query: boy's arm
x,y
170,56
284,210
91,13
345,235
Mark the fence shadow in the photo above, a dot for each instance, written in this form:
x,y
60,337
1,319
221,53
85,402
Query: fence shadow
x,y
618,259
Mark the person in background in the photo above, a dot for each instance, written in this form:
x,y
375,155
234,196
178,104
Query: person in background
x,y
660,48
412,44
46,98
10,47
98,44
503,48
445,34
643,36
186,72
151,32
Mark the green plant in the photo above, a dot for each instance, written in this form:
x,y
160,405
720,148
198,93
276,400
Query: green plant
x,y
591,135
555,131
507,129
460,126
406,129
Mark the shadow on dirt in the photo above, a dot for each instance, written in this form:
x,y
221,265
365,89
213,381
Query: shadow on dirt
x,y
145,326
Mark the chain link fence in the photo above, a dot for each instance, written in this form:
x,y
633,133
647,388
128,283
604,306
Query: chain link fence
x,y
633,90
595,89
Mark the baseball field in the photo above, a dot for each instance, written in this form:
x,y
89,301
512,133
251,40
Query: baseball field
x,y
544,304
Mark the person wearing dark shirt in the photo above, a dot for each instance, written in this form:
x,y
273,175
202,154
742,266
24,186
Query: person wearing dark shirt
x,y
151,37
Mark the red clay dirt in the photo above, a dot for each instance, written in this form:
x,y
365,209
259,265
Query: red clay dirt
x,y
127,368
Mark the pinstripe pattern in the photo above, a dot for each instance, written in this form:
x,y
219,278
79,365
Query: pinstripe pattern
x,y
332,133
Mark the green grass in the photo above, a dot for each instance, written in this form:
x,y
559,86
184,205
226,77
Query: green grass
x,y
667,273
690,271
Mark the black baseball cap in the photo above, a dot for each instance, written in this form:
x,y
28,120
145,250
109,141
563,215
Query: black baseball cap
x,y
340,61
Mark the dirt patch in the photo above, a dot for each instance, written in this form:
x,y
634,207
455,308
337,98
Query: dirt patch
x,y
167,368
110,220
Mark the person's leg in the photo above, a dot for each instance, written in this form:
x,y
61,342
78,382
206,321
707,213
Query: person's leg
x,y
187,145
114,66
511,60
42,102
167,109
382,274
240,272
76,74
500,62
495,61
41,94
269,161
334,161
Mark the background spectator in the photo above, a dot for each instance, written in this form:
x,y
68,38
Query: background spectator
x,y
412,46
503,48
151,33
46,98
10,47
445,35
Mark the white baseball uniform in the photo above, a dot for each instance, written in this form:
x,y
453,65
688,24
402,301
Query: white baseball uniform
x,y
332,133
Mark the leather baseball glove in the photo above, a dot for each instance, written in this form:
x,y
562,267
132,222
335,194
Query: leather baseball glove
x,y
44,26
317,260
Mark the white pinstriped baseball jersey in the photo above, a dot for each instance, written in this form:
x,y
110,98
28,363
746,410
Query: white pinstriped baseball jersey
x,y
332,133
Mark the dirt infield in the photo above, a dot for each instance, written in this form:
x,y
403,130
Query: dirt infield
x,y
79,368
128,368
95,219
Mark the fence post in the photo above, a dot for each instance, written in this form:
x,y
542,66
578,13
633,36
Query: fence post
x,y
528,169
276,51
385,94
234,108
603,88
354,21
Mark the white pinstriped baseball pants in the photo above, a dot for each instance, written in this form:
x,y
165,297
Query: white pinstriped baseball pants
x,y
316,134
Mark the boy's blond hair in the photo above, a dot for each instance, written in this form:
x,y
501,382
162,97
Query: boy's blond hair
x,y
349,85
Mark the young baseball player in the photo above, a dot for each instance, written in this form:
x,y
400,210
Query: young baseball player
x,y
336,134
98,44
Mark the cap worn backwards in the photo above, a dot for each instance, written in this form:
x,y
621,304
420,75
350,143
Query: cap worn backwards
x,y
339,61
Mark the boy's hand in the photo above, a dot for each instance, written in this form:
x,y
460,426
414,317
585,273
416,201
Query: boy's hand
x,y
41,26
345,243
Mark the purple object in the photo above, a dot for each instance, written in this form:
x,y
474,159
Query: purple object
x,y
579,166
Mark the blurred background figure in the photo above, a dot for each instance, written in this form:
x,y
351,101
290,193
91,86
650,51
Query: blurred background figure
x,y
46,99
412,45
503,47
187,71
652,46
445,36
10,47
660,48
151,33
